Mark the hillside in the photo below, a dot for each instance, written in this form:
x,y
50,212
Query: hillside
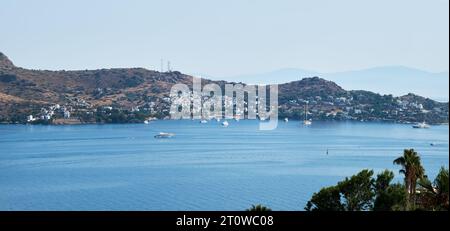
x,y
134,94
402,80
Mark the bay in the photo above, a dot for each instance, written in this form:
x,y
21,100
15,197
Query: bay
x,y
204,167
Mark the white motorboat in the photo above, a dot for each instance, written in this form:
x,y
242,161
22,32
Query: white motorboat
x,y
421,125
225,124
286,120
164,135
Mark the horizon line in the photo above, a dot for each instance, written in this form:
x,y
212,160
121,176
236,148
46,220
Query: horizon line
x,y
237,75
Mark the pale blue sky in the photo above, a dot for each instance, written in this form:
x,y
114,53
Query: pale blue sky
x,y
224,38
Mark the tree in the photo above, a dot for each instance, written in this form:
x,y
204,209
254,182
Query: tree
x,y
388,197
327,199
352,194
383,181
357,191
412,169
361,192
259,208
435,196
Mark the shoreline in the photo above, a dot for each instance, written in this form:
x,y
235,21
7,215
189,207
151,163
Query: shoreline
x,y
79,123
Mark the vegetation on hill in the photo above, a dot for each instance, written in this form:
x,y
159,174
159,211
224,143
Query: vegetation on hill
x,y
137,93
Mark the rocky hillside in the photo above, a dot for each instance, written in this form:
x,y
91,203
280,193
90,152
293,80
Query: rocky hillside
x,y
5,63
134,94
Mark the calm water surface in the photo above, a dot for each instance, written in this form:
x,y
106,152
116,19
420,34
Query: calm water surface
x,y
205,167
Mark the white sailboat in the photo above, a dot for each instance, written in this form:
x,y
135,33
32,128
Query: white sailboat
x,y
286,120
307,121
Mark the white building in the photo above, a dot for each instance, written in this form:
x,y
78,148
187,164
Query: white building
x,y
30,118
66,114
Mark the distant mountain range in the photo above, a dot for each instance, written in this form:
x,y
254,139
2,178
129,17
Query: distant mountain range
x,y
124,95
396,80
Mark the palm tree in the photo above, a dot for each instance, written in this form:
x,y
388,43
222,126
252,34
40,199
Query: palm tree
x,y
412,169
435,195
259,208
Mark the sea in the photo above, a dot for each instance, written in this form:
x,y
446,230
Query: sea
x,y
123,167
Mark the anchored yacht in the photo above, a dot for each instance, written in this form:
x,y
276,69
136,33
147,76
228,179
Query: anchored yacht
x,y
421,125
225,124
164,135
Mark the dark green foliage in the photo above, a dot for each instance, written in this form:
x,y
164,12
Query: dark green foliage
x,y
391,199
133,81
362,192
132,97
357,191
413,170
383,181
389,196
435,196
327,199
352,194
117,116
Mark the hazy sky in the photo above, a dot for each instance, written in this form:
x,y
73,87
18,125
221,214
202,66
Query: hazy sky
x,y
228,37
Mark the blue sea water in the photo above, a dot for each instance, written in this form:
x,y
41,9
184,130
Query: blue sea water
x,y
204,167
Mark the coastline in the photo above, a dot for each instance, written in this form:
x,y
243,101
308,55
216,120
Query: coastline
x,y
71,122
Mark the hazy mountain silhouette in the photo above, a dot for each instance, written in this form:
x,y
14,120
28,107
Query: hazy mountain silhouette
x,y
396,80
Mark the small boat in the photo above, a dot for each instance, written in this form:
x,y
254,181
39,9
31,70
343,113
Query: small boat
x,y
421,125
146,122
286,120
203,121
218,119
164,135
225,124
307,121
